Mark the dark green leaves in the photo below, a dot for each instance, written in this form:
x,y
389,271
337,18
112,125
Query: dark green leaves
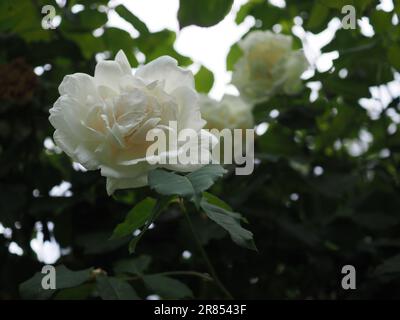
x,y
191,186
382,21
169,183
84,21
161,43
142,215
14,18
319,16
32,288
230,221
167,287
394,56
133,266
204,80
116,39
111,288
204,178
188,186
157,209
135,218
65,278
132,19
203,13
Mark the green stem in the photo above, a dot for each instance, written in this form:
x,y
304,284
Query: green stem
x,y
203,253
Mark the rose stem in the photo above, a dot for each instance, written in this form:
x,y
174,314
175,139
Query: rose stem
x,y
203,252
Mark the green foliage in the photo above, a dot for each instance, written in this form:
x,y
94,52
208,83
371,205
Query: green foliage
x,y
167,287
155,212
135,266
111,288
190,186
65,278
230,221
204,80
202,13
233,56
132,19
135,218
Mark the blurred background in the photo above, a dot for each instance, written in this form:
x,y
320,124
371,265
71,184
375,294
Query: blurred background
x,y
325,190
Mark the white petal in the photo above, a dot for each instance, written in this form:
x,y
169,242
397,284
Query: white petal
x,y
65,142
189,115
123,62
79,86
202,146
166,69
109,74
86,158
140,135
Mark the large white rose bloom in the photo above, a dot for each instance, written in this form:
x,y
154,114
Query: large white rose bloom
x,y
268,66
102,121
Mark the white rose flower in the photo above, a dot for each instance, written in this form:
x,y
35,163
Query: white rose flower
x,y
268,66
102,121
231,113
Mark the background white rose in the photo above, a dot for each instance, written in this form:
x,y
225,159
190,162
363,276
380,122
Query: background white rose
x,y
231,113
102,121
268,66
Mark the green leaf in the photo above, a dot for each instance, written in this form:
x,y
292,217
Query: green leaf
x,y
245,10
111,288
99,242
133,266
135,218
204,80
84,21
318,17
230,222
169,183
167,287
203,13
32,288
381,20
216,201
394,56
189,186
132,19
89,44
81,292
233,56
205,177
159,44
65,278
14,19
116,39
158,208
206,229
